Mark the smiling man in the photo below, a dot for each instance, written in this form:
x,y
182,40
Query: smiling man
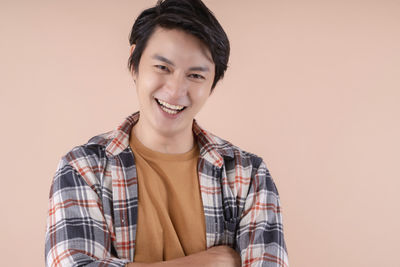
x,y
173,81
160,190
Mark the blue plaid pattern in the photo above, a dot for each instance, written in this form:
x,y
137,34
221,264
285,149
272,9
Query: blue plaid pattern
x,y
93,202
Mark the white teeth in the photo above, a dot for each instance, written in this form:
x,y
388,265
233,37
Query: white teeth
x,y
176,107
169,111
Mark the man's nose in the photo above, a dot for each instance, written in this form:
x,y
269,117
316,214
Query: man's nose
x,y
177,85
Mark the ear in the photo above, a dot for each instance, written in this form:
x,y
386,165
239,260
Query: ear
x,y
131,49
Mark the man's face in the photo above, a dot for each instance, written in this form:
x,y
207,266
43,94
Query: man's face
x,y
173,81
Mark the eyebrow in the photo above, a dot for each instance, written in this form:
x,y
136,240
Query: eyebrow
x,y
166,60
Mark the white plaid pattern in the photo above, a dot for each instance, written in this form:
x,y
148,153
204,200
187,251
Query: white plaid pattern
x,y
93,202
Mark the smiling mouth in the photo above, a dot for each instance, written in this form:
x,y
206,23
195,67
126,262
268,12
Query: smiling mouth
x,y
169,108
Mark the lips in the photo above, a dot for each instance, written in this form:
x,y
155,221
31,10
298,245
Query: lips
x,y
169,108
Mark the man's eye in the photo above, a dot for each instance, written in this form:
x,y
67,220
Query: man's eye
x,y
161,67
196,76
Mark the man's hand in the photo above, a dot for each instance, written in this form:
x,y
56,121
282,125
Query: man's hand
x,y
222,256
219,256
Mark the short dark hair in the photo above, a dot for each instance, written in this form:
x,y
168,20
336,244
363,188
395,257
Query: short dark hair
x,y
191,16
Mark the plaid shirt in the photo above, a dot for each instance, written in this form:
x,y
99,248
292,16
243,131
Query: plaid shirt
x,y
93,203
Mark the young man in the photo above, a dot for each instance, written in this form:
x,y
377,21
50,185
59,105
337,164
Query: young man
x,y
160,190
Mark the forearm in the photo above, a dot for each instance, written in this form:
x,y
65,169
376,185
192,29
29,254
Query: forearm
x,y
213,257
191,260
194,260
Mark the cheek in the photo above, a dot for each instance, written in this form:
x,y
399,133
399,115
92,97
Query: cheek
x,y
149,83
200,95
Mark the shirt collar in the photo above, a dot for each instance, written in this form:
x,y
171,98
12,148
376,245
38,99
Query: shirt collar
x,y
212,148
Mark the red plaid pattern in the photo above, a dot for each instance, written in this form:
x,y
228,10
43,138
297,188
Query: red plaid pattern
x,y
93,202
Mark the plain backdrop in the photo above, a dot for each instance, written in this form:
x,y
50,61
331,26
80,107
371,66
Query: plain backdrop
x,y
312,86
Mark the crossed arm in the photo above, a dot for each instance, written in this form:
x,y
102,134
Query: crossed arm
x,y
219,256
77,233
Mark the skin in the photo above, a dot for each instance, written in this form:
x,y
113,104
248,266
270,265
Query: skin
x,y
177,68
219,256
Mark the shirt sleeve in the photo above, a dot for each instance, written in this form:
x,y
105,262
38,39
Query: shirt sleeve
x,y
77,233
259,238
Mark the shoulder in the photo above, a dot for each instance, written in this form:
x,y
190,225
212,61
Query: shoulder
x,y
241,163
85,162
90,153
233,153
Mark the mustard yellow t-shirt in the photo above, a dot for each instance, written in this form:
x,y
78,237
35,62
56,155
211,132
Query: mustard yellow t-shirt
x,y
171,220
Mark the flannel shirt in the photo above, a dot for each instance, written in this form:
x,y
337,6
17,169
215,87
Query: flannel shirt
x,y
93,202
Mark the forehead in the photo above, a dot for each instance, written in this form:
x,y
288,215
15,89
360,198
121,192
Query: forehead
x,y
177,44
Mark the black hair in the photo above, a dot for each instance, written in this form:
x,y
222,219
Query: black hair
x,y
191,16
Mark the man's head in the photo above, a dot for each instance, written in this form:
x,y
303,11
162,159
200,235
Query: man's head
x,y
190,16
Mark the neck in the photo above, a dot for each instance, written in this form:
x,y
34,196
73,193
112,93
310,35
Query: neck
x,y
170,144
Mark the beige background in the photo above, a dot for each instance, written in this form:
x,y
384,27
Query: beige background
x,y
313,87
